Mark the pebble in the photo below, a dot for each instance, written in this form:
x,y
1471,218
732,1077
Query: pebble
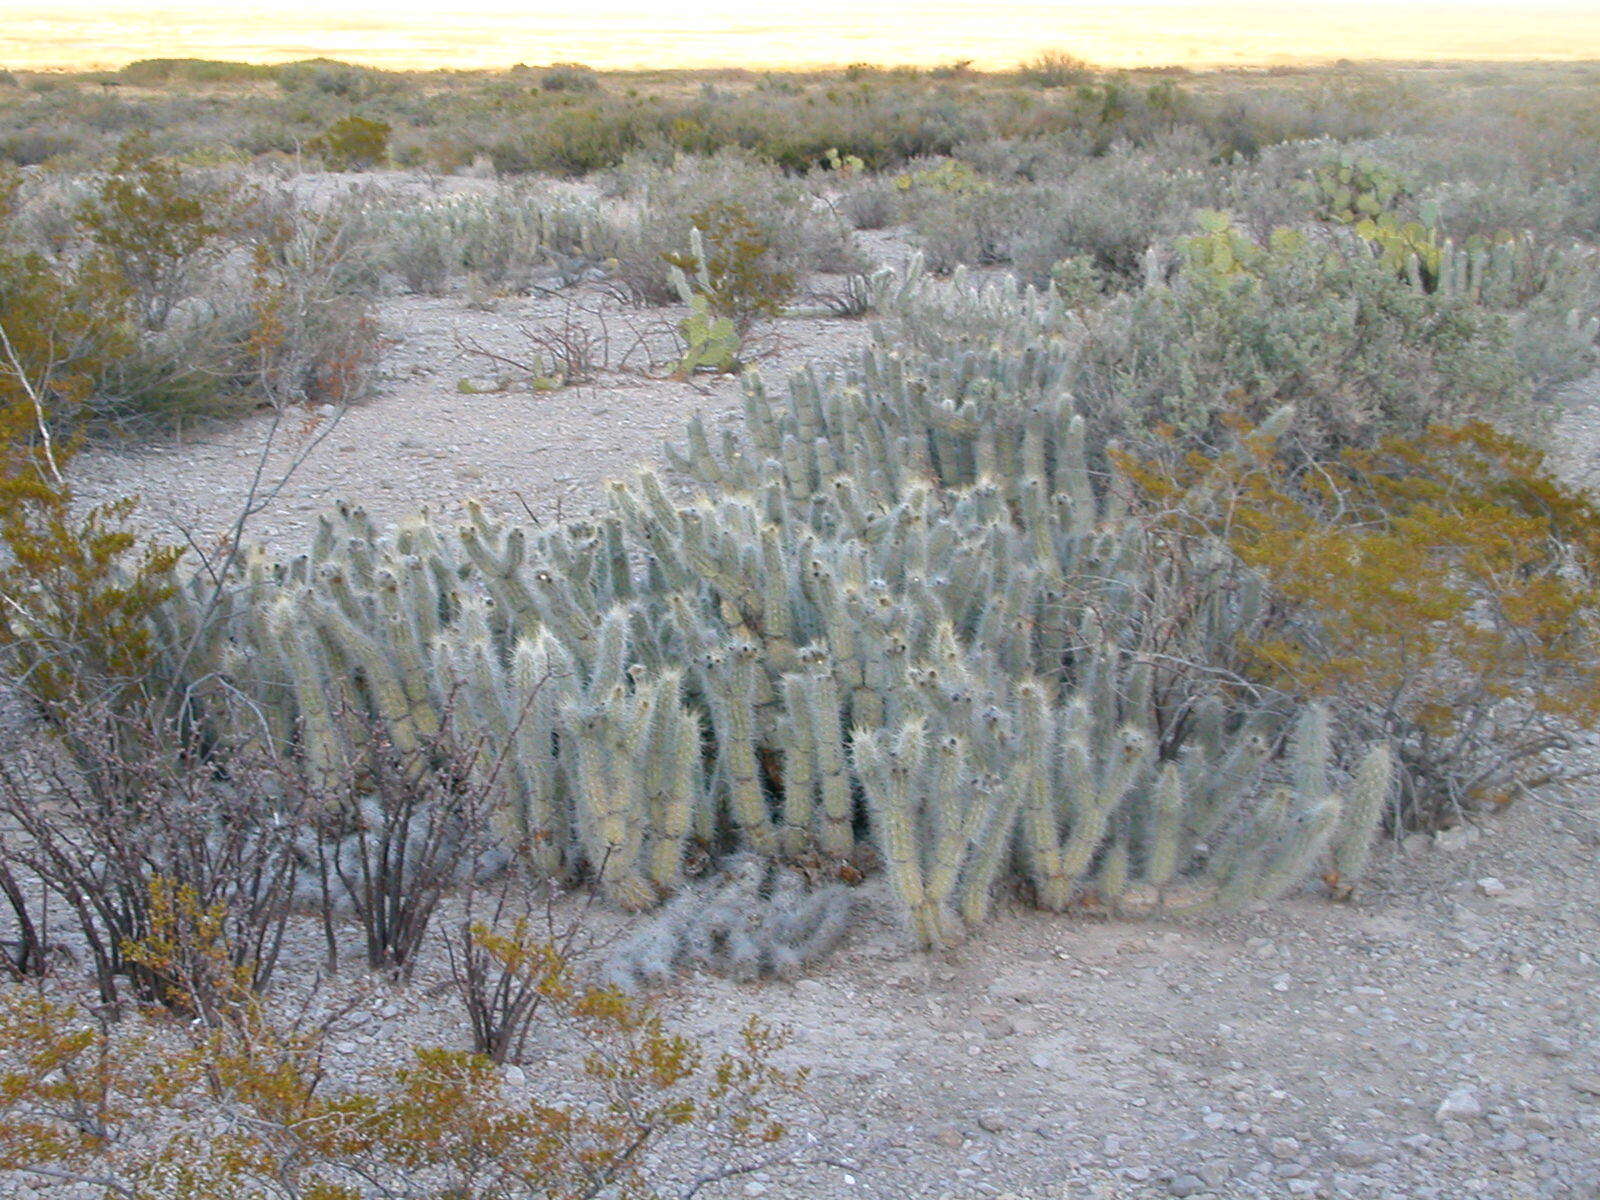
x,y
1358,1153
1461,1104
1552,1046
1186,1185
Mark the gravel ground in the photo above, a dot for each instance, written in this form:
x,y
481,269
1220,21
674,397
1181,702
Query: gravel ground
x,y
1439,1039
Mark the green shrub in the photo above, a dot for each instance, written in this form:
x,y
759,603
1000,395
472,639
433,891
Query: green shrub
x,y
354,143
1112,210
735,266
570,141
1358,350
1055,69
670,196
156,72
570,77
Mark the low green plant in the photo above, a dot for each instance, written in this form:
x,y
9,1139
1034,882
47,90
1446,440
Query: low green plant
x,y
732,264
353,143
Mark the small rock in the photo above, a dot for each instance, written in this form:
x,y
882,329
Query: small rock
x,y
1358,1153
950,1137
1458,838
515,1076
1589,1085
1186,1185
1492,887
1284,1147
1552,1046
1460,1105
991,1122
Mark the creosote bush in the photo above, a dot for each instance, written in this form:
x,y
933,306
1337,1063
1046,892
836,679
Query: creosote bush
x,y
1441,592
244,1104
354,143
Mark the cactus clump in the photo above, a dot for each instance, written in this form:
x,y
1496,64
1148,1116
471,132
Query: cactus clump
x,y
906,606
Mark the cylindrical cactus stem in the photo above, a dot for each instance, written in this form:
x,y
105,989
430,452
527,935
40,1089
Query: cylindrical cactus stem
x,y
309,679
1111,876
1368,795
1299,846
611,815
378,673
671,757
1165,842
798,742
1308,754
889,765
1041,834
825,719
1221,789
991,822
543,679
949,800
730,676
410,655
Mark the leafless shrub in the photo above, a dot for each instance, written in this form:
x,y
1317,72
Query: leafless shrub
x,y
849,296
153,806
395,829
584,341
505,967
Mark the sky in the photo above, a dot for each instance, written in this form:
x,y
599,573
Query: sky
x,y
693,33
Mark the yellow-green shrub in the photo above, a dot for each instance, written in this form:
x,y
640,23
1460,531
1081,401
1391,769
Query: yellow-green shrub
x,y
1440,591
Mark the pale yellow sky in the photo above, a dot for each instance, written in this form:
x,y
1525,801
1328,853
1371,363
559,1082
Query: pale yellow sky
x,y
630,33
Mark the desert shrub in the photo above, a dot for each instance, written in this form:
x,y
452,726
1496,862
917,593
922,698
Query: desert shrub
x,y
776,213
868,203
34,147
160,293
330,78
155,72
400,816
1440,590
1054,69
1112,210
117,817
973,227
118,797
1357,349
156,227
570,77
1490,206
734,264
353,143
304,322
960,217
64,332
247,1107
570,140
